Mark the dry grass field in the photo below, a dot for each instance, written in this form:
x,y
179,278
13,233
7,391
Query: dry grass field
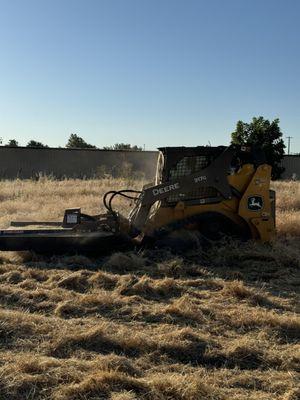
x,y
222,324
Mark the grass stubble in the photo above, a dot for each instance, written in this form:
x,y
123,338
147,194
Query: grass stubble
x,y
149,325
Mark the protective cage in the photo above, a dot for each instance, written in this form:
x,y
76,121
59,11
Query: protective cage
x,y
177,162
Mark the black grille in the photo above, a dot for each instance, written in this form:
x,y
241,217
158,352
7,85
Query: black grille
x,y
187,166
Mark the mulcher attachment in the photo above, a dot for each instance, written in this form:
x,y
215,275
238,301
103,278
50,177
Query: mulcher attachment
x,y
78,233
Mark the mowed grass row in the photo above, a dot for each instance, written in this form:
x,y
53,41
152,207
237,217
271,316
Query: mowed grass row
x,y
220,324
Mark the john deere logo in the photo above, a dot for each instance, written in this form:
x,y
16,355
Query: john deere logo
x,y
255,203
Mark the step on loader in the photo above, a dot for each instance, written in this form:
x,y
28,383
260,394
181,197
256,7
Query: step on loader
x,y
200,194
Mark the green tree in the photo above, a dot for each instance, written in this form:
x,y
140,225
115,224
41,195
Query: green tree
x,y
76,141
12,143
34,143
266,135
123,146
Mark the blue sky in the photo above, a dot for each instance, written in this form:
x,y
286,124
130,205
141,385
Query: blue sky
x,y
153,72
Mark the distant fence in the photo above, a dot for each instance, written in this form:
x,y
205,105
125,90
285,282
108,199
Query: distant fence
x,y
26,163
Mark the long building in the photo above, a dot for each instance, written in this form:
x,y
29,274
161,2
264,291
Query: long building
x,y
27,163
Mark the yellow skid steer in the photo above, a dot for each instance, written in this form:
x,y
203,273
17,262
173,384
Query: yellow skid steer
x,y
205,192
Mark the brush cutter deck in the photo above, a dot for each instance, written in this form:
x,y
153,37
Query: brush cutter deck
x,y
215,191
56,241
77,233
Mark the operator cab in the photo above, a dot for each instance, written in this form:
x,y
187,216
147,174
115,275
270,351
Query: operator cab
x,y
177,162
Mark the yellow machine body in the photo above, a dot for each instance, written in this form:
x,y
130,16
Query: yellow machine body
x,y
249,182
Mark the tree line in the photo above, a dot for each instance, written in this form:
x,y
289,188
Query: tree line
x,y
260,132
74,142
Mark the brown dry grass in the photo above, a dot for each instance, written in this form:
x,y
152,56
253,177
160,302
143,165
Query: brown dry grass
x,y
217,325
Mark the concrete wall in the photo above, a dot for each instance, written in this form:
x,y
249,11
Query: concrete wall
x,y
291,164
26,162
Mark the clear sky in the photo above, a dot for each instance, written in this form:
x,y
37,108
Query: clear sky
x,y
153,72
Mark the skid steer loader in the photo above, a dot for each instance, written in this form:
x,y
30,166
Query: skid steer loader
x,y
208,192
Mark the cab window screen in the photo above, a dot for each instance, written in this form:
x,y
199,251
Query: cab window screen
x,y
187,166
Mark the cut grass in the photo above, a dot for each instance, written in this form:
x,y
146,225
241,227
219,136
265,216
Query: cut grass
x,y
153,326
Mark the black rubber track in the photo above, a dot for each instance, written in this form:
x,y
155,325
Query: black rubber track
x,y
200,230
